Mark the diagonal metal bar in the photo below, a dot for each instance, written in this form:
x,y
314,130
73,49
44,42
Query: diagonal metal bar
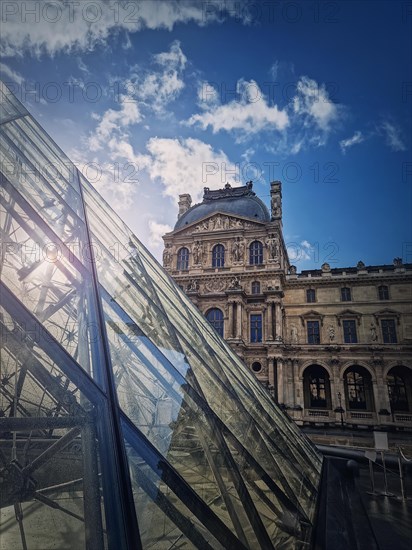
x,y
178,485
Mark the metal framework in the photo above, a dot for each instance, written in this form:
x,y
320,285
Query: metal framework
x,y
125,420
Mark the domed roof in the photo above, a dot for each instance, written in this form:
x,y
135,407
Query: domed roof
x,y
236,201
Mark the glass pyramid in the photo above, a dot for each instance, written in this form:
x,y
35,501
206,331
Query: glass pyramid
x,y
125,420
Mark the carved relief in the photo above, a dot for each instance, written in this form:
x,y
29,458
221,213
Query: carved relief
x,y
220,222
215,285
193,286
235,284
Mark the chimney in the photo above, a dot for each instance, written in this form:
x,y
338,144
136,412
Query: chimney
x,y
184,203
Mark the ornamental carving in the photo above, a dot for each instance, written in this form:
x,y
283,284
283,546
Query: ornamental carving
x,y
219,222
215,285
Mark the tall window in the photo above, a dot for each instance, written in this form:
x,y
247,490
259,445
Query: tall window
x,y
256,253
218,256
358,388
316,388
345,294
256,328
313,332
388,331
399,381
310,295
183,259
255,287
215,318
383,292
349,332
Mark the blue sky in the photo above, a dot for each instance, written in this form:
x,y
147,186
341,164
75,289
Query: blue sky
x,y
153,99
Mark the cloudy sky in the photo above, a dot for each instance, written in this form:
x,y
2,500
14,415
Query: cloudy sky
x,y
157,98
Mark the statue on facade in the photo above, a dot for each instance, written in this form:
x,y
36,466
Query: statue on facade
x,y
292,270
293,334
167,256
272,243
238,249
235,284
193,286
197,252
275,206
373,333
332,333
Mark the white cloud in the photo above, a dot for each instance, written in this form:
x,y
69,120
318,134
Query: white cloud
x,y
184,166
393,136
8,72
156,231
53,27
299,251
157,88
357,137
249,114
312,102
113,121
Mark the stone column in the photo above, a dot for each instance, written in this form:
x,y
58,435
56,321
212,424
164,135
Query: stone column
x,y
269,318
278,321
239,320
281,381
230,320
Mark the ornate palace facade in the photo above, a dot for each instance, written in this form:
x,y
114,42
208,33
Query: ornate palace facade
x,y
334,346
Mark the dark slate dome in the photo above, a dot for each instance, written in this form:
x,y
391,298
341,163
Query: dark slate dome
x,y
235,201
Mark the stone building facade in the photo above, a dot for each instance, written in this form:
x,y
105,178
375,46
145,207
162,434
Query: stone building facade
x,y
334,346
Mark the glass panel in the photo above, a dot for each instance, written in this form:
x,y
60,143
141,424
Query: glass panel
x,y
50,471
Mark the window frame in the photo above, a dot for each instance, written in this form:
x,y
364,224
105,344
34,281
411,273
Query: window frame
x,y
310,293
311,334
383,292
256,328
348,334
182,262
346,294
218,256
217,323
388,336
256,253
255,285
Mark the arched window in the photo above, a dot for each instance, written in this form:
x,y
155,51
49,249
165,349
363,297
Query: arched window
x,y
316,386
358,389
218,256
255,287
215,318
399,382
183,259
256,253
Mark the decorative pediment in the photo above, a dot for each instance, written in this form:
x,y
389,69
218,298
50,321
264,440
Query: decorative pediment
x,y
390,313
349,314
312,314
218,222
